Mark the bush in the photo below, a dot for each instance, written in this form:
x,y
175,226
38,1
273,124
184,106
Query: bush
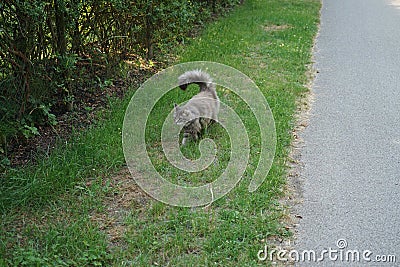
x,y
48,48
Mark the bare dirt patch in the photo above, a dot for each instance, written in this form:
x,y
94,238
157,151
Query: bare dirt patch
x,y
294,180
125,197
273,27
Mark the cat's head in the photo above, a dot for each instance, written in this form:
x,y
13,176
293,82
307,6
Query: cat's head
x,y
182,115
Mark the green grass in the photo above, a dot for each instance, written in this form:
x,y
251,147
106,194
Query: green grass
x,y
46,209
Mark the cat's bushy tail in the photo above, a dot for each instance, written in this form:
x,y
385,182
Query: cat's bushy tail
x,y
198,77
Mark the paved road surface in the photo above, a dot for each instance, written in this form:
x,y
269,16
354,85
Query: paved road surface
x,y
352,145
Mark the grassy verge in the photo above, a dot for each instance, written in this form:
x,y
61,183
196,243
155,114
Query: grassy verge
x,y
48,210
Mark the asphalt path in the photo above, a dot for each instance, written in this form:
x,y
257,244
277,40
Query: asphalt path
x,y
351,156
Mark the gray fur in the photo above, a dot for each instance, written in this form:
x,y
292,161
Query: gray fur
x,y
201,109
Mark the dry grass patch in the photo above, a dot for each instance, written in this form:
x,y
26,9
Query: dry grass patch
x,y
125,196
273,27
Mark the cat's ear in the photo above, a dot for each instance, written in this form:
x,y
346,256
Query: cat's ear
x,y
175,106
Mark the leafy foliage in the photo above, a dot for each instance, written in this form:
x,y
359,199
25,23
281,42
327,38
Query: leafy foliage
x,y
48,48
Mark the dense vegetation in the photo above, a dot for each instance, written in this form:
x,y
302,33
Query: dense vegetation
x,y
50,49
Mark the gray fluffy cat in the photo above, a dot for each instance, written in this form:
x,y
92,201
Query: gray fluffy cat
x,y
201,109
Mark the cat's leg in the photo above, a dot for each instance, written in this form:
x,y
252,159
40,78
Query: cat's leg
x,y
185,137
196,128
205,122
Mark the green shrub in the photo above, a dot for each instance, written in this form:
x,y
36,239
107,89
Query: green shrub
x,y
48,48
